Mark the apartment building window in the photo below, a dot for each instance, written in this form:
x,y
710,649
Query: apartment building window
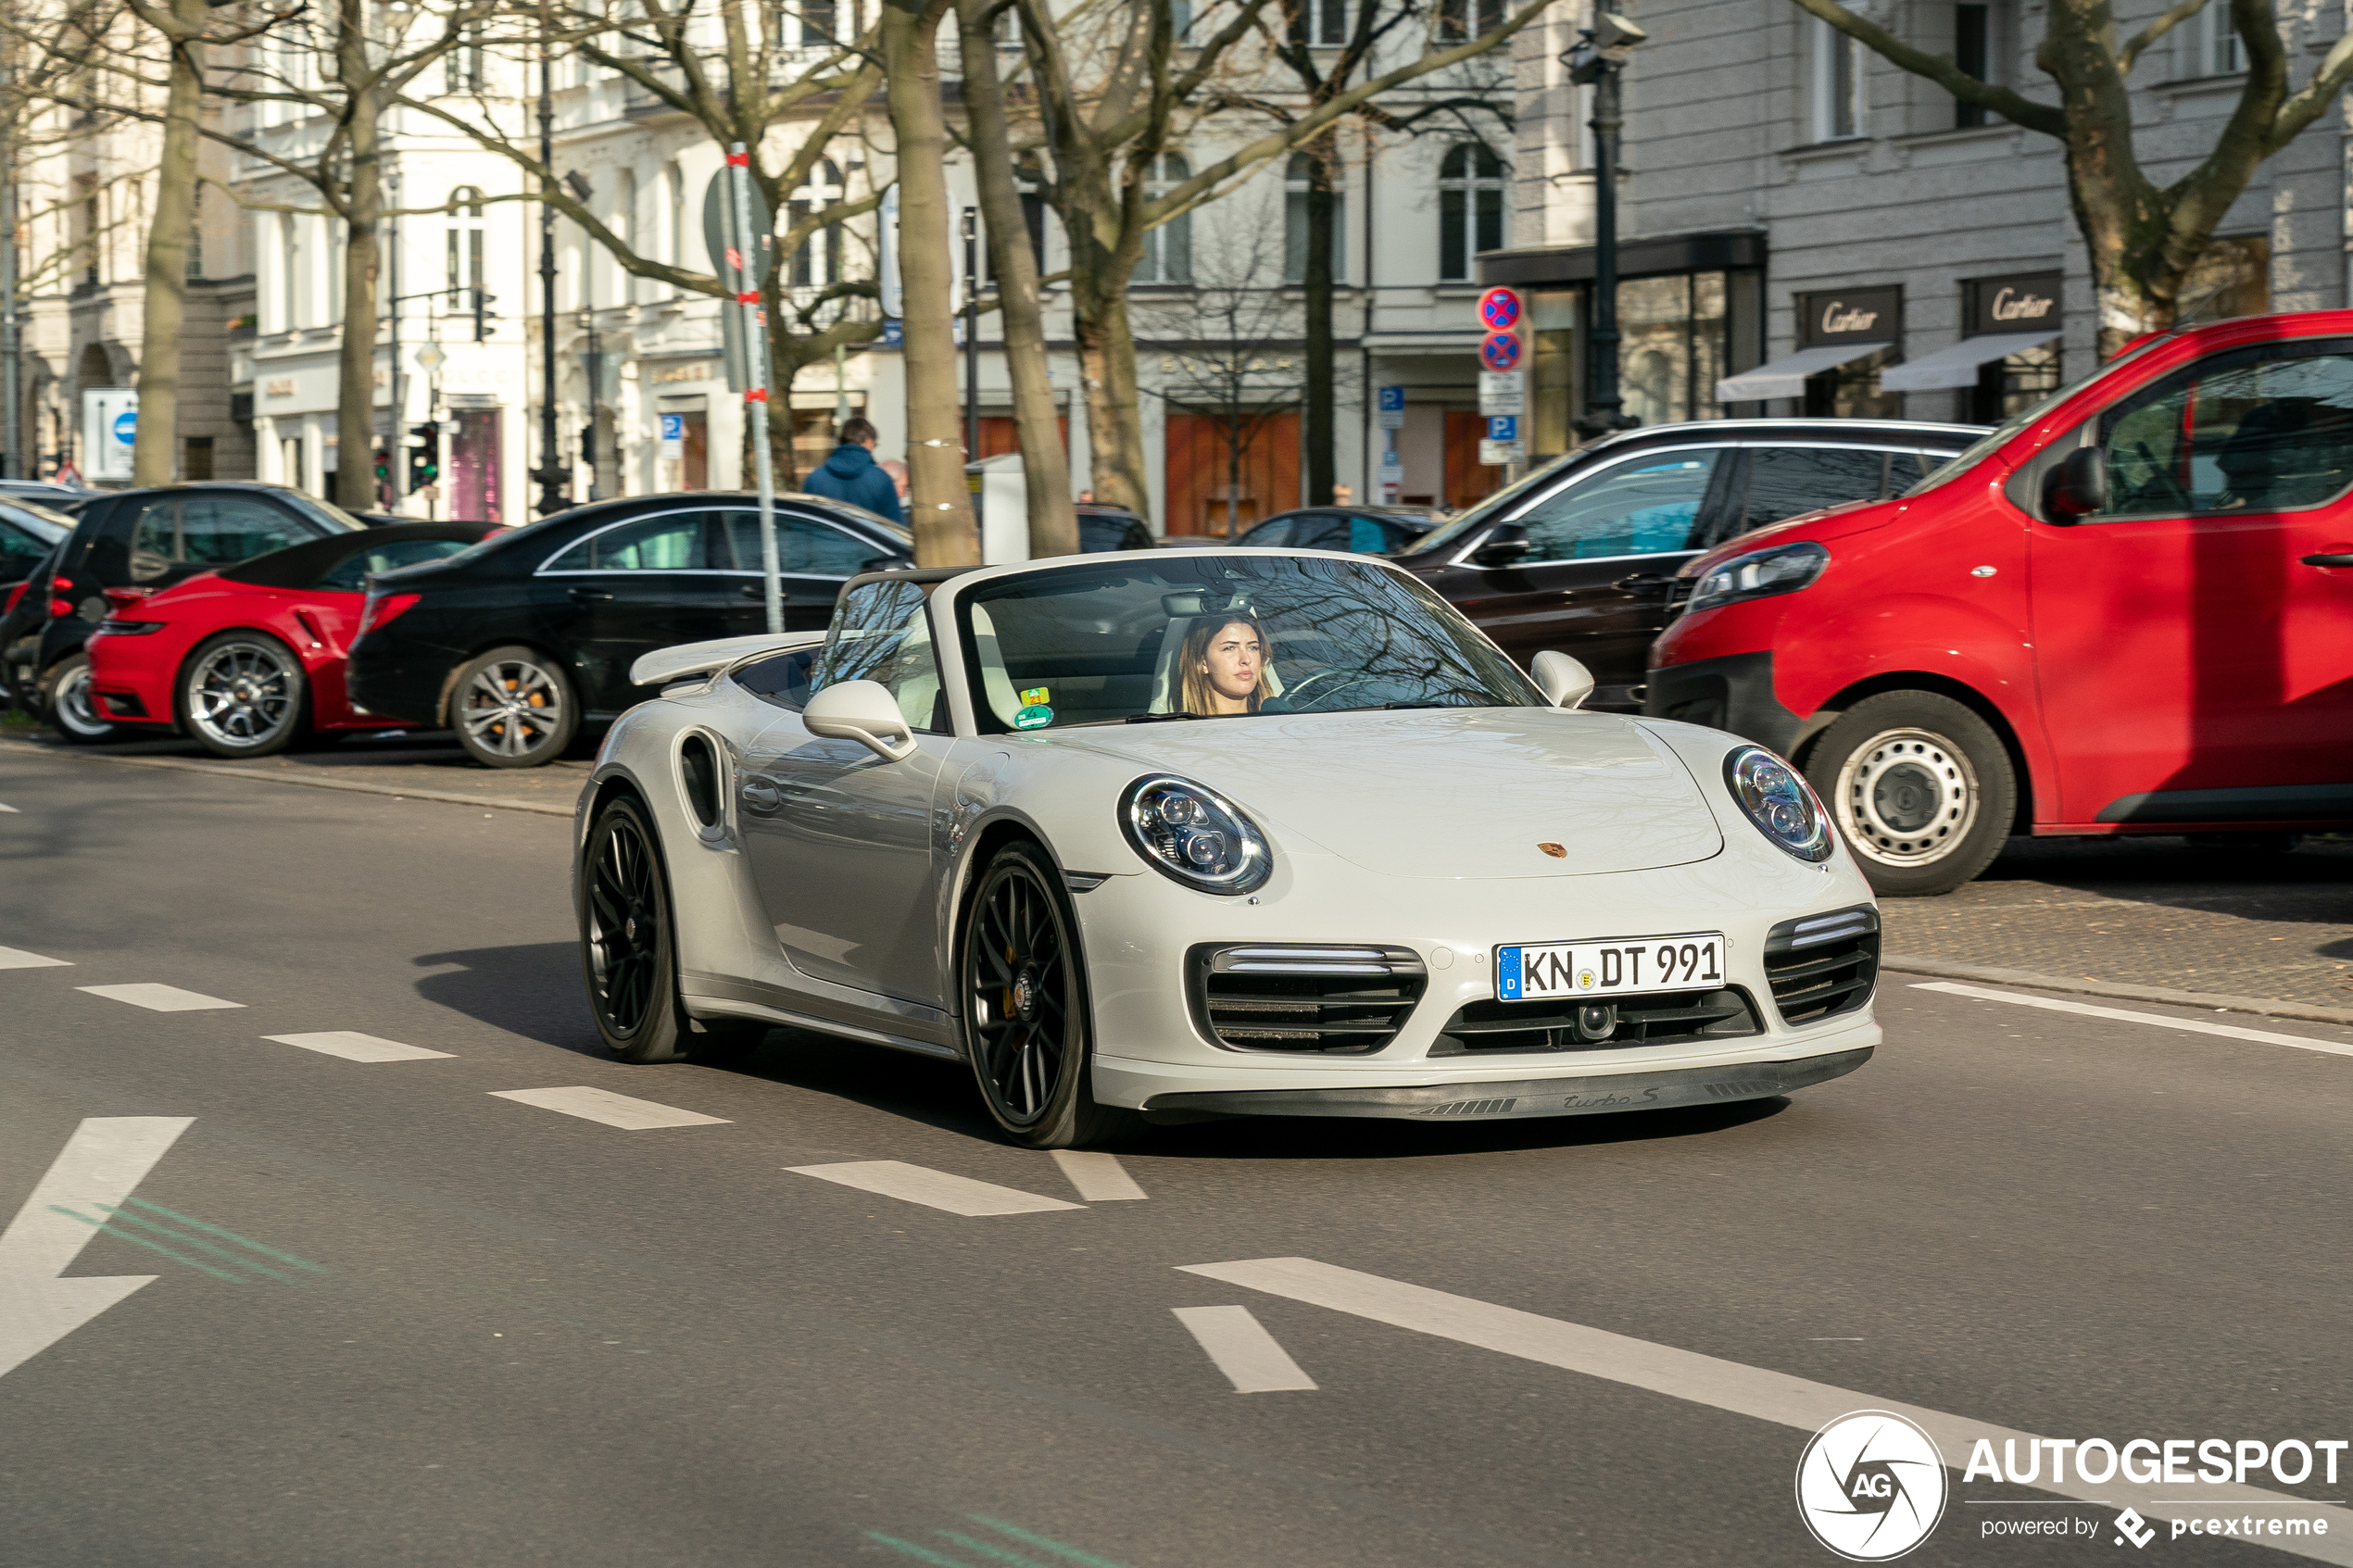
x,y
829,24
625,223
1470,207
1838,85
1460,21
463,65
290,290
1324,22
195,233
465,244
816,261
673,185
1973,52
1168,250
2218,51
1296,178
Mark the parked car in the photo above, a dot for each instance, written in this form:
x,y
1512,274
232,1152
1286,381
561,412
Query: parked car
x,y
2125,612
518,643
1364,531
1579,555
29,530
966,832
1103,528
145,539
250,656
47,492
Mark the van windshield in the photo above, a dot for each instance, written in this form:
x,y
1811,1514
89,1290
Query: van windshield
x,y
1994,441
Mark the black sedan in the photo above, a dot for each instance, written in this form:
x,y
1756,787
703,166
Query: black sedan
x,y
518,642
1581,555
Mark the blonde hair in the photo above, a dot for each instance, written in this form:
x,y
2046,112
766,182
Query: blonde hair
x,y
1195,693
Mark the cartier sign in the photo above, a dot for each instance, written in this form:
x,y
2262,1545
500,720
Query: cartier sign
x,y
1868,315
2024,302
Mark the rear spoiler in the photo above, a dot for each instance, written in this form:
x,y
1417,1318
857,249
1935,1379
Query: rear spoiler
x,y
663,666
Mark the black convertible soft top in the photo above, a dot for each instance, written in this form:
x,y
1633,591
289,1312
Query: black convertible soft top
x,y
301,565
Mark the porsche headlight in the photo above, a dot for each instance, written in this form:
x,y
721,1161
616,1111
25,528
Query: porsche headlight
x,y
1190,835
1759,574
1778,802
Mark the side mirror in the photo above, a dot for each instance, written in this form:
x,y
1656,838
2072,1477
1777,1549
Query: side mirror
x,y
2077,487
1563,679
1503,547
863,712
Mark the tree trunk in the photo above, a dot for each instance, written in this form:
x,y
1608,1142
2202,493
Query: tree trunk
x,y
945,534
1045,466
154,453
1107,364
363,205
1319,433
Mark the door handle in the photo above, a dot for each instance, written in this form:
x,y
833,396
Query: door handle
x,y
752,590
2340,559
587,595
761,795
1643,579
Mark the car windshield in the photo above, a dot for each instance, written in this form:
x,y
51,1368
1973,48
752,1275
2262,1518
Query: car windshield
x,y
1207,633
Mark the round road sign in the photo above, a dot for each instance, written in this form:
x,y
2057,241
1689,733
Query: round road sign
x,y
1499,351
1499,309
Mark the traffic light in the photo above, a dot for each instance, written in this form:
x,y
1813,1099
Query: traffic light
x,y
482,314
384,466
424,460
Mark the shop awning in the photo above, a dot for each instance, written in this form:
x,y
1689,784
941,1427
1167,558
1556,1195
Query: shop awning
x,y
1786,376
1956,365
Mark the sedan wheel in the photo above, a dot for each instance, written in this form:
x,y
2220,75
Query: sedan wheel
x,y
241,696
1025,1016
625,938
1922,789
513,708
71,704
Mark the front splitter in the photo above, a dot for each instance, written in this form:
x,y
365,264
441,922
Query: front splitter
x,y
1592,1095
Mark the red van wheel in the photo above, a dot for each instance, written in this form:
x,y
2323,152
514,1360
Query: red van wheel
x,y
1922,789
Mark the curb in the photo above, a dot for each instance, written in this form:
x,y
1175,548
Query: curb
x,y
1945,969
353,787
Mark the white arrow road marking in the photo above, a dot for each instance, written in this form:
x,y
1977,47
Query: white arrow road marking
x,y
158,998
2085,1010
1243,1350
1744,1390
105,1158
1099,1178
17,958
612,1109
354,1047
933,1189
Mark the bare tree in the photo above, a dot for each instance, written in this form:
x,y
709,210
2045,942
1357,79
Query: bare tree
x,y
2143,237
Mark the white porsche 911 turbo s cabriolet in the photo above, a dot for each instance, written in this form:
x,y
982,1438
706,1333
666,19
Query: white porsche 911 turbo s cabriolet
x,y
1212,833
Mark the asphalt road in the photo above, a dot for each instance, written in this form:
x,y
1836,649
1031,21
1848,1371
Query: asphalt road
x,y
398,1318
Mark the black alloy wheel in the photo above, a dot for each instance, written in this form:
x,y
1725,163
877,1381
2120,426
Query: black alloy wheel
x,y
625,939
1026,1013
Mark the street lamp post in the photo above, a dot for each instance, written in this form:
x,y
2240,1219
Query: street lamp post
x,y
1596,60
552,475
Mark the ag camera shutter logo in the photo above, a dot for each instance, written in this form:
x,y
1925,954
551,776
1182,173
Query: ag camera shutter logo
x,y
1871,1486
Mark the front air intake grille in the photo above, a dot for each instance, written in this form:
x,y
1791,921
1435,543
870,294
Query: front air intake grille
x,y
1335,1000
1823,964
1501,1028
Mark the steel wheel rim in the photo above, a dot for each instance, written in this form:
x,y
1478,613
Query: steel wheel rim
x,y
511,709
1018,991
76,704
241,694
1906,798
624,927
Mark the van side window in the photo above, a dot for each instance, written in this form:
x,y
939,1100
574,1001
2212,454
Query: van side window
x,y
2267,428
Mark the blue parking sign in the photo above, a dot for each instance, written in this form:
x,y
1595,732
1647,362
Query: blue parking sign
x,y
1502,427
1393,399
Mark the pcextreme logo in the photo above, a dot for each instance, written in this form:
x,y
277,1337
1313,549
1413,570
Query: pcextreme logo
x,y
1870,1486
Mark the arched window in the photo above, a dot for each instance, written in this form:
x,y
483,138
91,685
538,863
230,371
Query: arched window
x,y
1470,207
1168,250
1296,175
465,246
816,261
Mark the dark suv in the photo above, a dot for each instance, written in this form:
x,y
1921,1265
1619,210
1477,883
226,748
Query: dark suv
x,y
1581,556
138,539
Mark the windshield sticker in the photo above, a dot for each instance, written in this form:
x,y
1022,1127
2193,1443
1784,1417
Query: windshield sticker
x,y
1036,696
1036,716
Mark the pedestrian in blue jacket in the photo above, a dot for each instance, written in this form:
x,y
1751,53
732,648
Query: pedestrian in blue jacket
x,y
851,474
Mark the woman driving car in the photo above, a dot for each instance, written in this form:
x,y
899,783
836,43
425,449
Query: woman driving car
x,y
1224,667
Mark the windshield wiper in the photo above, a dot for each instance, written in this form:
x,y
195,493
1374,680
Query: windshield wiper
x,y
1156,718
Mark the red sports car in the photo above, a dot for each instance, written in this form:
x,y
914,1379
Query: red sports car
x,y
250,656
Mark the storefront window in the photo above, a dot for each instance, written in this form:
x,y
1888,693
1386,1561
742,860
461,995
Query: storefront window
x,y
1680,334
2015,384
1556,374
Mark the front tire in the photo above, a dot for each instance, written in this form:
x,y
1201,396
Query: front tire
x,y
243,693
627,945
1027,1023
71,704
513,707
1922,789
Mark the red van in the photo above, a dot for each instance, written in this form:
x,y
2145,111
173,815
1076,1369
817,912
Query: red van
x,y
2128,610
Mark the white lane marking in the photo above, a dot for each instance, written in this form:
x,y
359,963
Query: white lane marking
x,y
935,1189
105,1158
1099,1178
352,1046
7,808
2085,1010
1243,1350
612,1109
17,958
158,998
1726,1386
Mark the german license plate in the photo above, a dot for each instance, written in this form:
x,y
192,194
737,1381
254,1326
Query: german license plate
x,y
1614,967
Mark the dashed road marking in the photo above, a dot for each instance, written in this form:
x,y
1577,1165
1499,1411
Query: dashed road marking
x,y
612,1109
158,998
1099,1178
17,958
354,1047
2085,1010
7,808
1243,1350
933,1189
1758,1392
